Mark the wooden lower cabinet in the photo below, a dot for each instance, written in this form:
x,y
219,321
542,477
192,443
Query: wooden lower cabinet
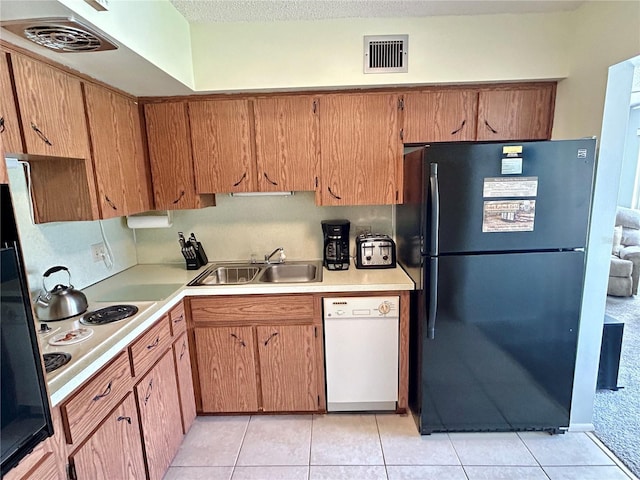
x,y
287,368
227,369
114,450
159,407
185,381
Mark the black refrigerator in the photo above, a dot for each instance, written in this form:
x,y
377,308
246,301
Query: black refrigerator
x,y
494,235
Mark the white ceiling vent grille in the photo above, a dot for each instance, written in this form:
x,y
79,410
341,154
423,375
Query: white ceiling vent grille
x,y
386,53
62,35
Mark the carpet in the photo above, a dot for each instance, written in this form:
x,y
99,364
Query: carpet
x,y
617,413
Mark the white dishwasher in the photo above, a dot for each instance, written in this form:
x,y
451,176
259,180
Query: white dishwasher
x,y
361,353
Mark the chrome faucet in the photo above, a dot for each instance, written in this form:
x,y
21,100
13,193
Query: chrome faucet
x,y
280,250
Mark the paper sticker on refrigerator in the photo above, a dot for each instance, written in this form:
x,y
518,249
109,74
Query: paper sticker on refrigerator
x,y
509,216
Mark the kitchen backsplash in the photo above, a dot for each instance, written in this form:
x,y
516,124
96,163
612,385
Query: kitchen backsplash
x,y
67,243
238,227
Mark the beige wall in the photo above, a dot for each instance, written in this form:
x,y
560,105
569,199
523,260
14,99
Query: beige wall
x,y
446,49
602,34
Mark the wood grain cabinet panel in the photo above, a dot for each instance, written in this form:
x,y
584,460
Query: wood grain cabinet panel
x,y
114,450
51,109
243,308
9,121
226,369
118,156
82,413
150,346
361,149
440,116
287,143
178,320
287,368
185,381
159,406
516,113
222,146
171,159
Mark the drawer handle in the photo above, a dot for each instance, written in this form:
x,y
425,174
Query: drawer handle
x,y
121,418
154,344
490,127
266,342
106,392
459,128
149,390
184,349
1,124
238,339
179,319
40,134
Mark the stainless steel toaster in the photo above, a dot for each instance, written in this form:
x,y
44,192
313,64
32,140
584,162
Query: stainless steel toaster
x,y
375,251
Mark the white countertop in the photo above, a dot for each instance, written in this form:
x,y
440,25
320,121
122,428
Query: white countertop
x,y
157,288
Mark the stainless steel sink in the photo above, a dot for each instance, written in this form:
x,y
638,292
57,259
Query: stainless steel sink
x,y
239,273
295,272
226,275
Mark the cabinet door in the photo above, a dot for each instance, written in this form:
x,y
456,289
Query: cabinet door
x,y
185,381
170,156
222,146
516,114
440,116
287,368
361,149
9,122
114,450
157,397
226,369
118,158
287,143
51,109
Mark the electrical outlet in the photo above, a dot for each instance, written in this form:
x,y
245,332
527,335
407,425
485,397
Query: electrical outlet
x,y
98,252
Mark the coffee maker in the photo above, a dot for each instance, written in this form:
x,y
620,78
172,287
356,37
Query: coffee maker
x,y
336,244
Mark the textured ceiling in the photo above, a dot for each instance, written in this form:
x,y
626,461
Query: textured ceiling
x,y
206,11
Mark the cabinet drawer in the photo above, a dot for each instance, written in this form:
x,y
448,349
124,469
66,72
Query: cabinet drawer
x,y
88,407
150,346
178,320
252,308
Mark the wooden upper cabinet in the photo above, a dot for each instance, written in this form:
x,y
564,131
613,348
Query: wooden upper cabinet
x,y
222,146
516,113
361,149
287,368
168,137
440,116
287,143
9,121
51,110
118,157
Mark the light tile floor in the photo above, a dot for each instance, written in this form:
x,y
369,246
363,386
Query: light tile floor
x,y
379,447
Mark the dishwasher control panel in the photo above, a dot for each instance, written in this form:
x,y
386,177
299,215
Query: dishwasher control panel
x,y
355,307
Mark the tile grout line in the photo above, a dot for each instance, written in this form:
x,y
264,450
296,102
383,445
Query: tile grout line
x,y
384,460
313,416
244,436
611,455
532,455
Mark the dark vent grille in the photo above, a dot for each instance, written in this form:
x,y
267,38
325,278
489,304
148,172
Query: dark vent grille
x,y
385,54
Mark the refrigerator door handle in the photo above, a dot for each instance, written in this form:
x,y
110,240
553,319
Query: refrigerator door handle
x,y
432,308
435,208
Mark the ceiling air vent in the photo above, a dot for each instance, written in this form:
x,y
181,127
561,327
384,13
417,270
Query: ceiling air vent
x,y
386,53
64,35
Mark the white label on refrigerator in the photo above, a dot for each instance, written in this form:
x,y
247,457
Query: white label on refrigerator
x,y
508,216
511,166
510,187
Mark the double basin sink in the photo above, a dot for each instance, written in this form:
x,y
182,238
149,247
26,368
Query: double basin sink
x,y
242,273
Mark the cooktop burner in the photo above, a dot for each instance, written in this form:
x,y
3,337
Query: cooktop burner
x,y
109,314
55,360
